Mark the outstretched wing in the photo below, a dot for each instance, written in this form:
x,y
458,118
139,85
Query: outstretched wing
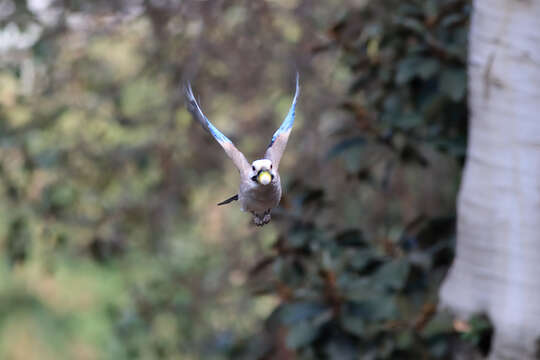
x,y
281,136
237,157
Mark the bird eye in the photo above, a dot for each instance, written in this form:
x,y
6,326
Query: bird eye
x,y
270,166
253,167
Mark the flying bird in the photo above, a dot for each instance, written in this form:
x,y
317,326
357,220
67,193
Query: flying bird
x,y
260,186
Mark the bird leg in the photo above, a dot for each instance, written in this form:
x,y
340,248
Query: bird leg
x,y
266,217
257,220
261,219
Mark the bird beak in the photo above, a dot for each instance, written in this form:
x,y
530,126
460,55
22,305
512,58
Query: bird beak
x,y
264,177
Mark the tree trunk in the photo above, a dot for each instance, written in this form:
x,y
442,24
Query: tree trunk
x,y
497,265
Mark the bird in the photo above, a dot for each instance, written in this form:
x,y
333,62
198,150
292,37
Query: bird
x,y
260,184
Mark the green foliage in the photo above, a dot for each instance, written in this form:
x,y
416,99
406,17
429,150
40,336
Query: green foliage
x,y
342,293
408,63
480,333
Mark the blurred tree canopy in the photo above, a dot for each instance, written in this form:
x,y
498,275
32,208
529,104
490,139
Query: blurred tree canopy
x,y
113,245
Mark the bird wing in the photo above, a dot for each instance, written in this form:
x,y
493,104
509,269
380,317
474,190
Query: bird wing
x,y
236,156
281,136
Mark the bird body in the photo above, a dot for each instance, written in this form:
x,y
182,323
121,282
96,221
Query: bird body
x,y
260,185
259,198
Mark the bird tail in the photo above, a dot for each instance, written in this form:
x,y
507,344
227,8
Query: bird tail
x,y
231,199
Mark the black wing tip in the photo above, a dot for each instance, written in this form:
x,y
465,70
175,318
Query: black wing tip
x,y
231,199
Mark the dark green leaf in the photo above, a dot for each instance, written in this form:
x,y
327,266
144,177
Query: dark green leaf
x,y
452,19
441,323
358,289
427,68
392,275
361,259
409,121
353,160
377,307
342,348
353,324
407,69
431,8
298,239
404,340
438,349
301,334
411,24
453,83
300,311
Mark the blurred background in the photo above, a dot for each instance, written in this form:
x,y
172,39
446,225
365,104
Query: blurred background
x,y
112,244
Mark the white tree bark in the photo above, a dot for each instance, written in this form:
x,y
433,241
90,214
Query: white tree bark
x,y
497,265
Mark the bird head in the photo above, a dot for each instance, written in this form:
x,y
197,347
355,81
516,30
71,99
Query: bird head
x,y
262,171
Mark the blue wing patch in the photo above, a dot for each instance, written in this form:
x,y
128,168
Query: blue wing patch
x,y
195,109
288,123
218,135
